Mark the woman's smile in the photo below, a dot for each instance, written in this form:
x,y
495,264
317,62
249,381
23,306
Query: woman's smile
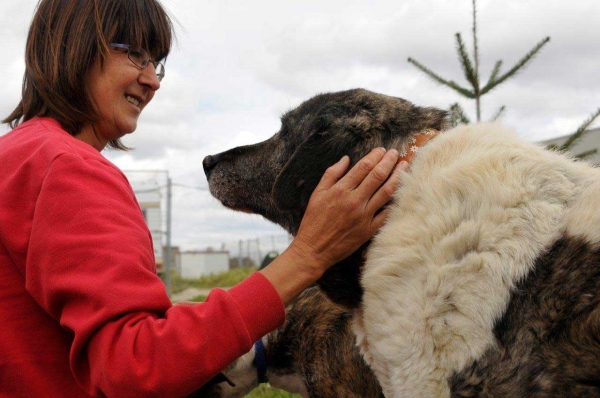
x,y
119,91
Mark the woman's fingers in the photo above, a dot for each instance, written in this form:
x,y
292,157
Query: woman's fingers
x,y
333,174
372,181
361,170
379,174
343,212
379,220
386,191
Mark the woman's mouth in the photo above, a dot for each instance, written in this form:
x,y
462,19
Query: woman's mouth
x,y
133,100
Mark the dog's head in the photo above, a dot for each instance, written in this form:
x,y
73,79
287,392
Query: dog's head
x,y
276,177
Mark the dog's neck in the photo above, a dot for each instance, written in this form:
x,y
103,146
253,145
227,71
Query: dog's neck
x,y
341,283
416,142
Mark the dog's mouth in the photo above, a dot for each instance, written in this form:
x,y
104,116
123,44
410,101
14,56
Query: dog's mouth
x,y
242,210
235,207
222,195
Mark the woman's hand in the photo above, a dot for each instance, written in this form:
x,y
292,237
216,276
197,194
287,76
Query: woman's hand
x,y
342,214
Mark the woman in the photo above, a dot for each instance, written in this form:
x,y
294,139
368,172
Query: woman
x,y
83,312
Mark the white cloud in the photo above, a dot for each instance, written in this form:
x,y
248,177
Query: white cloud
x,y
238,65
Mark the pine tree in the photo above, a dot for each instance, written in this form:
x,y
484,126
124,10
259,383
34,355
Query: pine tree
x,y
471,71
576,136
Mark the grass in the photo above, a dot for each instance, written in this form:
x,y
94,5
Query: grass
x,y
266,391
199,299
227,279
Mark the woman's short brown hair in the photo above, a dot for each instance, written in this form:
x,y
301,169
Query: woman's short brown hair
x,y
65,37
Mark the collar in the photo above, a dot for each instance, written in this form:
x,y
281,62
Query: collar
x,y
416,142
260,361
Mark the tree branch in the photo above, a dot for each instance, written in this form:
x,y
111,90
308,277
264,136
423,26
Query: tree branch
x,y
466,64
441,80
475,45
498,113
576,136
586,154
517,66
457,115
495,72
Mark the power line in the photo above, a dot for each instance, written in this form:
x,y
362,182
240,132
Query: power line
x,y
205,188
160,187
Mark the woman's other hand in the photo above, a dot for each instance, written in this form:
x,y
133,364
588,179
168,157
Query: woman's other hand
x,y
344,210
342,214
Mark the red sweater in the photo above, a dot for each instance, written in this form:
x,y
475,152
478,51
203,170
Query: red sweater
x,y
82,311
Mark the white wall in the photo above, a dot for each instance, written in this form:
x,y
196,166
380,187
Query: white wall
x,y
197,264
153,218
148,194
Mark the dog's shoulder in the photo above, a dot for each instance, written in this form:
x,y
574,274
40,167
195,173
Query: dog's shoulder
x,y
477,208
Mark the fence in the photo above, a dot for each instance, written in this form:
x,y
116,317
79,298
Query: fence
x,y
252,252
199,221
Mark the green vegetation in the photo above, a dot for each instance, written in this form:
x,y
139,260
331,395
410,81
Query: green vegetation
x,y
471,70
225,279
576,136
200,299
266,391
472,74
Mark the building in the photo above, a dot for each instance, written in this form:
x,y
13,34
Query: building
x,y
194,264
590,140
149,197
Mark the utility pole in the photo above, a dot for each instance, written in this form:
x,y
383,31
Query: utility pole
x,y
258,251
166,232
169,250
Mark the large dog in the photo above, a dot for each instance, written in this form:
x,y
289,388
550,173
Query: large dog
x,y
485,280
313,354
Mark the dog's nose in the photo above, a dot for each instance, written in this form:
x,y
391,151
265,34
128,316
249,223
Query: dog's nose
x,y
209,163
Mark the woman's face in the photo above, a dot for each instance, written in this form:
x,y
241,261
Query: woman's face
x,y
119,91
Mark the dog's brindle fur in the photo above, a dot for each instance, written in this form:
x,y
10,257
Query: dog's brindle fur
x,y
314,348
547,340
317,342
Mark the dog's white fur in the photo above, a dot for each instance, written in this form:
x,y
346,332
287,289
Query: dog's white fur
x,y
478,206
243,373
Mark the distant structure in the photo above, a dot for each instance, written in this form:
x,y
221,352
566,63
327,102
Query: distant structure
x,y
148,186
588,141
272,255
148,196
194,264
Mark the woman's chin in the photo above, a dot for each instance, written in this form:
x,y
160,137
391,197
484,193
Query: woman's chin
x,y
127,128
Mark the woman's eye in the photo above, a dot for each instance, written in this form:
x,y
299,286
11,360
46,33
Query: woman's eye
x,y
137,55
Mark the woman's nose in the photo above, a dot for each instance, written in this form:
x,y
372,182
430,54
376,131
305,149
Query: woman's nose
x,y
149,78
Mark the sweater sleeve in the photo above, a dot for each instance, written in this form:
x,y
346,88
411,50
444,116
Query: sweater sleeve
x,y
90,265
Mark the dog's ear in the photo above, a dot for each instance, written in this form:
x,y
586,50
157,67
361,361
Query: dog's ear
x,y
301,174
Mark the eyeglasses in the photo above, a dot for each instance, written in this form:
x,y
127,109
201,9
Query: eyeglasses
x,y
140,58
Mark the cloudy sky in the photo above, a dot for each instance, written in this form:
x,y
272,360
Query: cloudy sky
x,y
238,65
